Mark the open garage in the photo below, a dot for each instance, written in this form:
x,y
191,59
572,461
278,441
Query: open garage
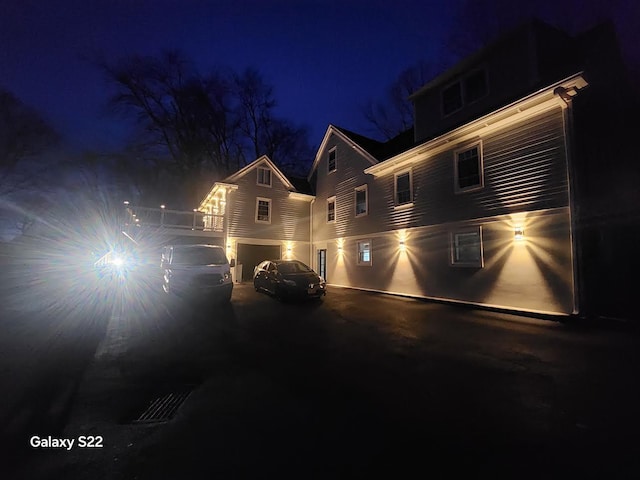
x,y
251,255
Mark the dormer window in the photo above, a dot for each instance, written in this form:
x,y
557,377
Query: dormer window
x,y
475,86
264,176
464,91
452,99
331,161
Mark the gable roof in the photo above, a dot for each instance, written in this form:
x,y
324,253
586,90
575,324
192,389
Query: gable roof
x,y
302,185
256,163
297,187
373,150
340,133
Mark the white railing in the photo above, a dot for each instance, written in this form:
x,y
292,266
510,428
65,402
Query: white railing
x,y
178,219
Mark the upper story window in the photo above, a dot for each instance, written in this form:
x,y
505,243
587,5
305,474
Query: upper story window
x,y
468,168
263,210
464,91
466,248
362,203
331,161
331,209
475,86
452,99
403,189
264,176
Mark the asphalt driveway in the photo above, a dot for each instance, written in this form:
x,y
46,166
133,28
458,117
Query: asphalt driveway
x,y
356,385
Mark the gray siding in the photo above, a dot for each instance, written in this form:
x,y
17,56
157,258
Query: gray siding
x,y
533,274
524,170
289,217
349,174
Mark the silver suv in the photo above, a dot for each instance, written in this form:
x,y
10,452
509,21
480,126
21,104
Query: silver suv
x,y
200,271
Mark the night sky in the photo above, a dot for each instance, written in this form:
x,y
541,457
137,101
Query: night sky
x,y
324,58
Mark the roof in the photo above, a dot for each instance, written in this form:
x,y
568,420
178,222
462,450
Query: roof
x,y
533,27
374,150
301,185
263,159
382,150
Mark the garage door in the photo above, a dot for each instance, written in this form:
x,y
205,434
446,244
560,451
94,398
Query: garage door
x,y
251,255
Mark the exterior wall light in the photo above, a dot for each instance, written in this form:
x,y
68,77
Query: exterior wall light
x,y
126,202
161,206
402,246
518,233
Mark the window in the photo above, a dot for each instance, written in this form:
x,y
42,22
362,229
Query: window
x,y
331,209
466,248
475,86
264,177
464,91
403,188
331,163
364,252
451,99
468,168
361,201
263,210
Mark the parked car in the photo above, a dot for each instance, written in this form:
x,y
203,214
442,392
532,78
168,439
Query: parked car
x,y
198,271
288,278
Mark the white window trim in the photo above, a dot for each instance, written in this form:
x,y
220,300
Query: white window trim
x,y
364,187
452,238
395,189
358,262
258,199
258,177
334,149
465,148
326,216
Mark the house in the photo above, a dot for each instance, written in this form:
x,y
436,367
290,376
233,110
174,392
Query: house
x,y
516,188
265,216
484,205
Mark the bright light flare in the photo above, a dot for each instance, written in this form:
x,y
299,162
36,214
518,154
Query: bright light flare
x,y
118,261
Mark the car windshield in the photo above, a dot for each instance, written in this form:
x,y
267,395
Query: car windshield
x,y
293,267
198,256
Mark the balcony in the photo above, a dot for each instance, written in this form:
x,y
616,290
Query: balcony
x,y
173,221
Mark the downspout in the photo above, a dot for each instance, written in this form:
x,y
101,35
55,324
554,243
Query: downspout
x,y
311,257
574,208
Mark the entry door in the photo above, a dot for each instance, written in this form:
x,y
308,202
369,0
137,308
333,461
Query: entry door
x,y
322,264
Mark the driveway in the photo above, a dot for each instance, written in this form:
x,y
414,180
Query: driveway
x,y
356,385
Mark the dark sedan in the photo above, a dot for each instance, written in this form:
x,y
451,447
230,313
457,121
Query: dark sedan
x,y
288,278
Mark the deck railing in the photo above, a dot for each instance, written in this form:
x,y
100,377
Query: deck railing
x,y
173,219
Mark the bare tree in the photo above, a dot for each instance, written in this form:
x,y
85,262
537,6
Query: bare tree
x,y
267,134
24,138
394,113
200,128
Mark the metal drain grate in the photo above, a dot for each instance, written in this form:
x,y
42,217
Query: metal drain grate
x,y
162,409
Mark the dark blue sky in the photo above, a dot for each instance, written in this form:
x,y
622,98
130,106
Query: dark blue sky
x,y
325,58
